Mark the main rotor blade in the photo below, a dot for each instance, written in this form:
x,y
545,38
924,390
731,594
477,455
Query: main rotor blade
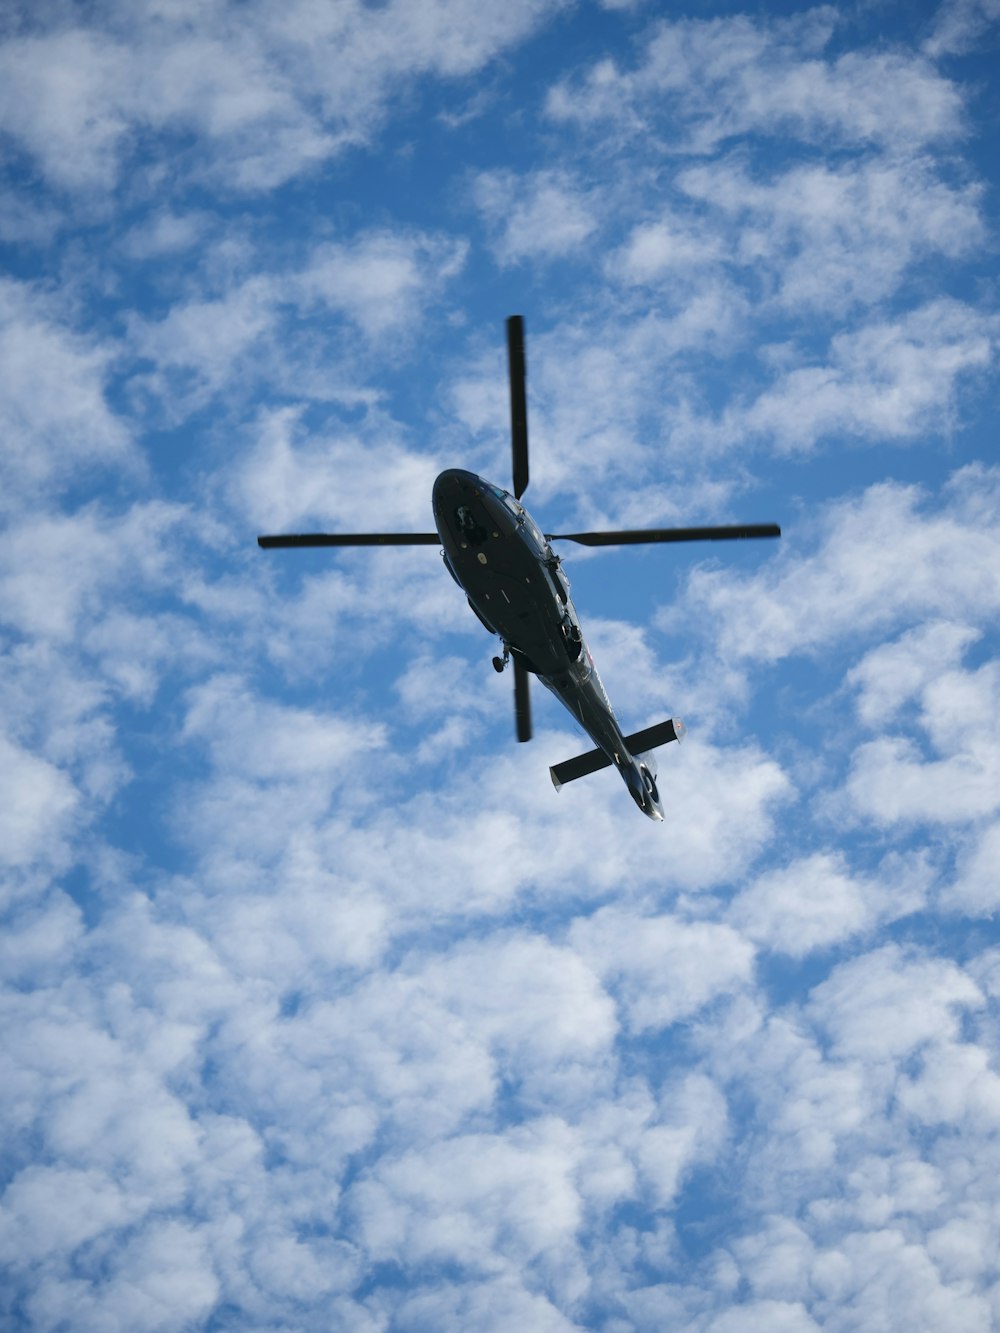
x,y
351,539
522,701
518,404
638,536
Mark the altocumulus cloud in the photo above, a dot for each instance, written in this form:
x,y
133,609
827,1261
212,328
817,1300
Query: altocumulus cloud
x,y
320,1008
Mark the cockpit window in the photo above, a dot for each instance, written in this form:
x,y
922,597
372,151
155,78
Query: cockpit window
x,y
507,499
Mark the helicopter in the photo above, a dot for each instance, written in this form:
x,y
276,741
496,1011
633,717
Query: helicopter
x,y
515,585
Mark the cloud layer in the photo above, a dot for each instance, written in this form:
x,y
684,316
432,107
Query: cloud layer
x,y
321,1008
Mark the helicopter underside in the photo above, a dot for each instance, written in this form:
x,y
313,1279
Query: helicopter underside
x,y
516,587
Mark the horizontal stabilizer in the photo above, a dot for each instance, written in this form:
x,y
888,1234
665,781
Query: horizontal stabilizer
x,y
638,743
571,769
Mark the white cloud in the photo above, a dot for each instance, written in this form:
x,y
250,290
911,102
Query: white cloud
x,y
602,393
883,1005
584,387
251,85
891,1278
39,939
50,1210
515,1202
542,216
890,780
351,1021
74,649
92,1074
258,326
955,1083
291,483
37,802
596,392
975,889
699,83
893,380
891,1187
540,1007
371,597
816,902
161,1279
666,249
959,25
66,103
165,233
380,279
494,1305
512,828
813,1105
24,221
836,237
896,672
442,694
880,1055
299,930
136,651
965,1246
61,568
777,1260
258,739
765,1317
662,968
886,558
54,414
694,1124
474,1198
866,1278
200,345
62,767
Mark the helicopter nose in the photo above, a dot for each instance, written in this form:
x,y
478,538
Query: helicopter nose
x,y
452,487
454,496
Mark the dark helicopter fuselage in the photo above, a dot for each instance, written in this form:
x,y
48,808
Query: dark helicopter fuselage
x,y
515,585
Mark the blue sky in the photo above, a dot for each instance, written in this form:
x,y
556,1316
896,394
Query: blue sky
x,y
322,1009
